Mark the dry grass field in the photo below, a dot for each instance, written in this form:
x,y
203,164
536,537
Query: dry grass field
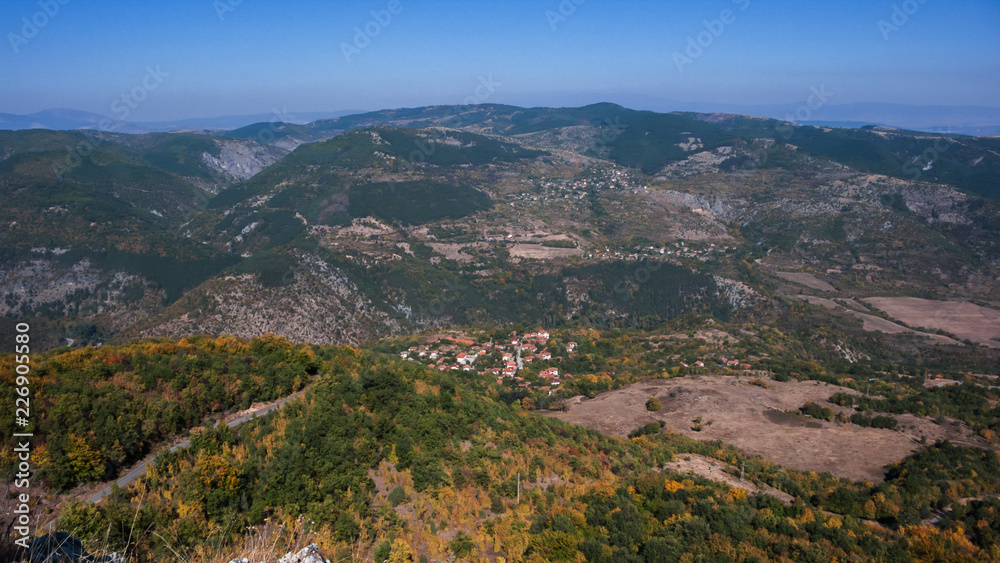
x,y
453,251
964,320
807,280
542,252
873,323
756,420
722,473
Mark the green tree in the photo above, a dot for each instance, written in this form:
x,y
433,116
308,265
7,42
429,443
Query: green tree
x,y
346,528
397,496
382,551
462,545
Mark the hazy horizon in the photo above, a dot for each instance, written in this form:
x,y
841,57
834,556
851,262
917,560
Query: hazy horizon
x,y
201,59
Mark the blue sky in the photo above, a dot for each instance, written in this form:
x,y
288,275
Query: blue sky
x,y
263,54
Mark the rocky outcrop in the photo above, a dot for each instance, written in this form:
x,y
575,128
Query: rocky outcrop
x,y
738,294
318,303
44,286
243,159
308,554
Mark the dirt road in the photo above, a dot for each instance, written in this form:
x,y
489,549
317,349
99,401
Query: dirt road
x,y
140,468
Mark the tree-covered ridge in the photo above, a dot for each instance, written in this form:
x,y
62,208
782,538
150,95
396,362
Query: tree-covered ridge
x,y
415,203
970,402
384,458
651,140
321,163
99,410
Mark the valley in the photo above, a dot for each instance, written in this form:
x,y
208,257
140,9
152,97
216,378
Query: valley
x,y
510,334
533,210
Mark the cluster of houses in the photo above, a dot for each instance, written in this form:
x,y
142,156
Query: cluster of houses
x,y
580,188
680,250
504,360
442,360
732,364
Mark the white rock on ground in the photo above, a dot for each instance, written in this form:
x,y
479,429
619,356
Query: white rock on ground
x,y
308,554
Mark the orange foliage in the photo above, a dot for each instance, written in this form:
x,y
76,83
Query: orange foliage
x,y
216,472
928,544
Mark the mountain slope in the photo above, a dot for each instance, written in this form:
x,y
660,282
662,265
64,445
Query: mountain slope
x,y
520,208
650,140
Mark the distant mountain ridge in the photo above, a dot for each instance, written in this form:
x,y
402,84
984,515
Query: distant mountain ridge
x,y
978,121
61,119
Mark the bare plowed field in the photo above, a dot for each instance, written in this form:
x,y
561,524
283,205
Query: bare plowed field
x,y
964,320
757,421
806,279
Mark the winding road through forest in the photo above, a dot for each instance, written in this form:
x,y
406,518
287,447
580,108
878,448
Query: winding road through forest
x,y
128,478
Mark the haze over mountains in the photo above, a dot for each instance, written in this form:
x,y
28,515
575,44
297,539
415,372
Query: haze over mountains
x,y
67,119
966,120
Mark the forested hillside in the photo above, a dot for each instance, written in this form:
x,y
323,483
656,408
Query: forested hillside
x,y
387,459
101,410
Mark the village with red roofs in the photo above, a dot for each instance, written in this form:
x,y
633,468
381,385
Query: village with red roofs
x,y
528,360
505,359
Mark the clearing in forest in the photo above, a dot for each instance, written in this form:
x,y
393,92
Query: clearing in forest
x,y
764,421
964,320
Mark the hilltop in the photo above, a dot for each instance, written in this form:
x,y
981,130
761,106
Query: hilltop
x,y
383,457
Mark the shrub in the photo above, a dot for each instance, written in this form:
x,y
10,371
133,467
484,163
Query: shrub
x,y
886,422
462,545
397,496
496,504
382,551
653,404
880,421
816,411
861,420
651,428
